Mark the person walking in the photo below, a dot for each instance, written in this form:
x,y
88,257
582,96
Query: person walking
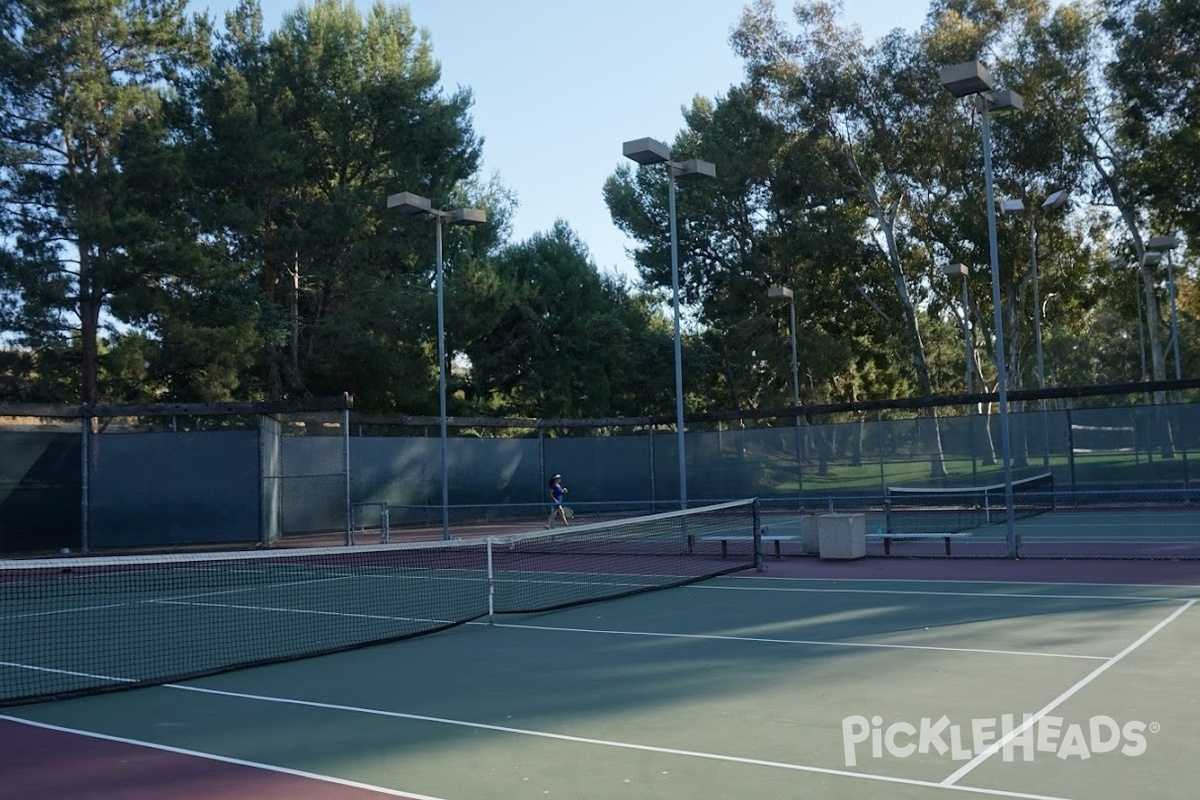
x,y
557,495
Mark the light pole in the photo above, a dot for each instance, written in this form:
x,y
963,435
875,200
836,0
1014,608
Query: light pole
x,y
409,203
965,80
1052,202
1169,243
776,292
951,270
651,151
1119,263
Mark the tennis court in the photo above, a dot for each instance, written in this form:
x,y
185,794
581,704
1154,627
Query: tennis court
x,y
904,678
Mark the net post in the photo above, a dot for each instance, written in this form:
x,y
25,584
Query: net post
x,y
346,472
491,580
756,522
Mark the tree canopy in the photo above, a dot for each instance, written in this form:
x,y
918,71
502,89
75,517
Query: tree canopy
x,y
198,212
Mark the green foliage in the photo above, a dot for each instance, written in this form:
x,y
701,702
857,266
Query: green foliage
x,y
179,224
564,340
82,88
1156,77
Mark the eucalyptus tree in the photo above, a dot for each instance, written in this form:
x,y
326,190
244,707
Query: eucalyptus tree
x,y
1064,64
819,80
82,88
1155,77
1155,81
870,109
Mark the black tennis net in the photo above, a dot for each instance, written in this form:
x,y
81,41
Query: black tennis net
x,y
73,626
925,509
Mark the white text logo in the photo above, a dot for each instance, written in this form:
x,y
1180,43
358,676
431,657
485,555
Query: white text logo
x,y
1050,735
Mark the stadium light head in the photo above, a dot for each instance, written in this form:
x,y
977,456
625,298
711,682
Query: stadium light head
x,y
1167,242
966,79
409,203
1151,259
466,216
1012,206
780,292
697,168
1005,100
646,151
955,269
1056,200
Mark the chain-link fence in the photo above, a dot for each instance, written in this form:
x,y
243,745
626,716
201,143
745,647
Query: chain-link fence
x,y
260,475
149,477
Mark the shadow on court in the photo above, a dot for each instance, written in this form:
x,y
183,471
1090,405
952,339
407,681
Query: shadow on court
x,y
738,686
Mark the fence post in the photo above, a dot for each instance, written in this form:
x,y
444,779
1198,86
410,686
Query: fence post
x,y
85,447
1071,449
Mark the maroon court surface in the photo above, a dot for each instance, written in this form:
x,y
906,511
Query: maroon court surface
x,y
43,764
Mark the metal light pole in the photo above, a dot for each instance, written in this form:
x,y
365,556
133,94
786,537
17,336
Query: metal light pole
x,y
1120,263
651,151
776,292
1169,243
410,203
972,79
1053,201
952,270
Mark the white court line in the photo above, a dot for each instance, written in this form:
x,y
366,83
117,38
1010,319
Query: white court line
x,y
645,748
958,580
223,759
32,614
811,642
925,593
311,612
73,673
996,746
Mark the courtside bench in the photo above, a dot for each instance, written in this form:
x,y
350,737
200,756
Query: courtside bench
x,y
725,540
888,537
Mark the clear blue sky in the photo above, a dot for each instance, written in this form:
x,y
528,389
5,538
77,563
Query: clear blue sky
x,y
560,84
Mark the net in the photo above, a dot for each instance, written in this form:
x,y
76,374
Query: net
x,y
924,509
73,626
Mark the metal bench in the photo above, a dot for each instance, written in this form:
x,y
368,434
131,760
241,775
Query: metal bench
x,y
725,540
888,537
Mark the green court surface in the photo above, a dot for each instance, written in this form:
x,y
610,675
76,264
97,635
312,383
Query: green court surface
x,y
738,687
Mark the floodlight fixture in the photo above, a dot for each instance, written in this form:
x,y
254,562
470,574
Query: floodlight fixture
x,y
696,168
466,216
1056,200
409,203
646,152
1005,100
1166,242
963,80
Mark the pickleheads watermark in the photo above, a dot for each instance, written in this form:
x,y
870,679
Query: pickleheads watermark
x,y
961,742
